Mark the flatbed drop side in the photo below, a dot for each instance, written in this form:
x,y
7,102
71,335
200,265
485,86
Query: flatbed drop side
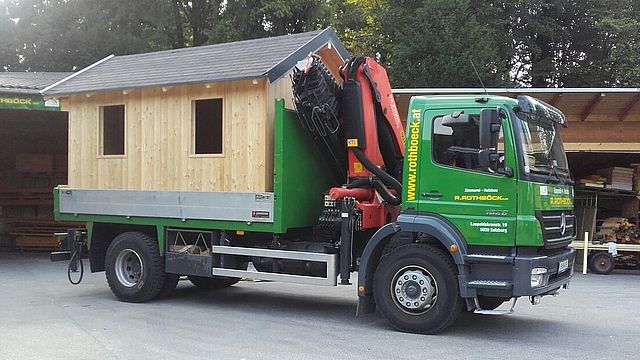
x,y
486,216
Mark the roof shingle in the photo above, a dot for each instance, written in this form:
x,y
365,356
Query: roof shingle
x,y
203,64
28,82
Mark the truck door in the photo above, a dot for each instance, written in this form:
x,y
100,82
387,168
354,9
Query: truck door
x,y
479,202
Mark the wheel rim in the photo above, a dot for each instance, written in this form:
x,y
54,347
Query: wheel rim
x,y
414,290
603,265
129,268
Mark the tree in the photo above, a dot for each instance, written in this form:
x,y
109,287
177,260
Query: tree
x,y
432,43
66,35
243,19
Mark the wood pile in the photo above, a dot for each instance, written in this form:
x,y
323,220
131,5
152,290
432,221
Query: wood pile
x,y
619,230
38,233
26,201
618,178
592,181
636,178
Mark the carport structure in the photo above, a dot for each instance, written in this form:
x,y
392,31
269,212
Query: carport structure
x,y
33,159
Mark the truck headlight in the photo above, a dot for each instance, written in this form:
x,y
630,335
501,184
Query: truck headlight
x,y
538,277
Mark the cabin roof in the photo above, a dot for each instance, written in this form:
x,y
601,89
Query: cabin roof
x,y
269,57
28,83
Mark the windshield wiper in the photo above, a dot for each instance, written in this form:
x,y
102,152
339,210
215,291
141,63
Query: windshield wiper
x,y
552,171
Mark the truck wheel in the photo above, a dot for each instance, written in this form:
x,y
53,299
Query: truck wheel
x,y
602,263
416,289
134,268
212,283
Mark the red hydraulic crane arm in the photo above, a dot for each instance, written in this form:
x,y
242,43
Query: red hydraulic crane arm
x,y
370,118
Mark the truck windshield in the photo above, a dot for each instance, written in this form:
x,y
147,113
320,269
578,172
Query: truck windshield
x,y
542,147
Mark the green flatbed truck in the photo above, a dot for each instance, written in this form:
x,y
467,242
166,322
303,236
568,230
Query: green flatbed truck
x,y
484,214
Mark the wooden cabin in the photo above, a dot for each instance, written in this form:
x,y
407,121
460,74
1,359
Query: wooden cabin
x,y
194,119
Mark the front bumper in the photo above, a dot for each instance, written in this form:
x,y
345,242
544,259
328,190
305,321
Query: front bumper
x,y
523,265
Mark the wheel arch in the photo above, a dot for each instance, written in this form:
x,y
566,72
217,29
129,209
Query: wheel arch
x,y
102,235
433,225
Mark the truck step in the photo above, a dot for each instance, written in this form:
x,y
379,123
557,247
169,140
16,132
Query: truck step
x,y
485,258
508,311
330,259
490,284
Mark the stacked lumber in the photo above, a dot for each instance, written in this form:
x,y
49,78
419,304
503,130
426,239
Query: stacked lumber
x,y
636,178
618,178
26,201
592,181
619,230
38,233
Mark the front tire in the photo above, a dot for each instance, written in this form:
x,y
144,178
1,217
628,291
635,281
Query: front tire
x,y
134,268
416,289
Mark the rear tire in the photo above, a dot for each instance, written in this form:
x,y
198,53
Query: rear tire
x,y
416,289
602,263
134,268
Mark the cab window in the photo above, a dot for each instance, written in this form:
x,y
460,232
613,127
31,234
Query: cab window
x,y
456,142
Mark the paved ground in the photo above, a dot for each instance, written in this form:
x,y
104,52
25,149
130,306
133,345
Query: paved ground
x,y
44,317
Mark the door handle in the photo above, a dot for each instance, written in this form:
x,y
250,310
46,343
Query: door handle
x,y
432,194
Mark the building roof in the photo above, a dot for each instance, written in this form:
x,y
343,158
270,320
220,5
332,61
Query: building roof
x,y
28,83
270,57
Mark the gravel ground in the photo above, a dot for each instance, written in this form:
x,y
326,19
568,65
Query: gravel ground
x,y
44,317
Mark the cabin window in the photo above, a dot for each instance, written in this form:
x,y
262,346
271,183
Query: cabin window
x,y
457,142
112,130
208,126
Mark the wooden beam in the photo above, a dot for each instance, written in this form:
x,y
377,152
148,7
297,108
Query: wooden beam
x,y
603,147
591,106
629,108
555,99
601,132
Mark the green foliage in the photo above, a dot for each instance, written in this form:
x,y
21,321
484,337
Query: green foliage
x,y
425,43
67,35
432,44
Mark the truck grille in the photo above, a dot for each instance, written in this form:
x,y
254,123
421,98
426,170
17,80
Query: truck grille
x,y
557,231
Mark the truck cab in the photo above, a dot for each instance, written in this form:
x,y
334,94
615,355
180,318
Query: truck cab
x,y
486,178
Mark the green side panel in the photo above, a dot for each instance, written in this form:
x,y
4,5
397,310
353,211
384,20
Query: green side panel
x,y
301,176
482,206
27,102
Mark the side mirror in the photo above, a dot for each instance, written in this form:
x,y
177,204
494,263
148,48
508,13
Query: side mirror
x,y
489,129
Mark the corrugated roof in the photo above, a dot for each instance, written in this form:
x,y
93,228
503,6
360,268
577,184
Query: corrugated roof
x,y
270,57
29,83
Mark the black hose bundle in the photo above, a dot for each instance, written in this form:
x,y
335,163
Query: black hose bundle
x,y
316,97
315,94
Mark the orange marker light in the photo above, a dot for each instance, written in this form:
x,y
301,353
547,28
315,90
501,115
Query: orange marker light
x,y
361,288
453,248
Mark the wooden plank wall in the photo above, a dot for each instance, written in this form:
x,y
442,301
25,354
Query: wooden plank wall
x,y
159,145
279,89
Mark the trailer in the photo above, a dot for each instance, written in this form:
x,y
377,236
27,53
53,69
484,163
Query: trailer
x,y
201,174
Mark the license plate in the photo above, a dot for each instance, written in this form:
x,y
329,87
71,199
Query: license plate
x,y
563,265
